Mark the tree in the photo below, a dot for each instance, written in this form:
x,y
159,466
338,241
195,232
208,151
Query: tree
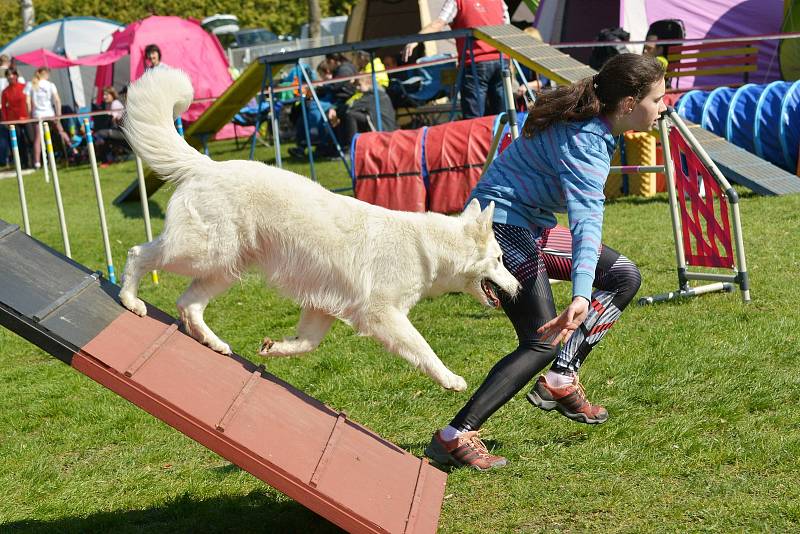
x,y
314,18
26,10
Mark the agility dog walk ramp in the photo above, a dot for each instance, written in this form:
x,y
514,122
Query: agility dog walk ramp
x,y
312,453
739,165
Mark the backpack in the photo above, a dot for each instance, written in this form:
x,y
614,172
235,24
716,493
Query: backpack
x,y
601,54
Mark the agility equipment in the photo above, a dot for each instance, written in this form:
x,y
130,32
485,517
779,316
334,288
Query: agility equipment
x,y
98,193
759,118
309,451
704,210
738,165
429,169
23,203
387,169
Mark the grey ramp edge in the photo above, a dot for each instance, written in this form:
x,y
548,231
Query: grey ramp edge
x,y
37,279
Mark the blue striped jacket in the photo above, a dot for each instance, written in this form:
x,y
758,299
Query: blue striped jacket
x,y
562,169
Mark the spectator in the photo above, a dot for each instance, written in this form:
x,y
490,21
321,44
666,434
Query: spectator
x,y
316,124
361,116
482,94
14,107
340,93
107,132
43,101
152,58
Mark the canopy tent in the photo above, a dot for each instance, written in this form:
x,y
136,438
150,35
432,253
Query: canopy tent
x,y
562,21
71,37
184,45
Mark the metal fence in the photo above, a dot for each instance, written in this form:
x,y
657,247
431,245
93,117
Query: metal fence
x,y
241,57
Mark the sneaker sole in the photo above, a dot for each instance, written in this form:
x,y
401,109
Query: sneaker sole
x,y
446,459
549,405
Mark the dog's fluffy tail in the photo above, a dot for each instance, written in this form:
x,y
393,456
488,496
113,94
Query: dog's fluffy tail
x,y
154,101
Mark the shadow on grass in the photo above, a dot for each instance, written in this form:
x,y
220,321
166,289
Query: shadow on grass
x,y
255,512
132,209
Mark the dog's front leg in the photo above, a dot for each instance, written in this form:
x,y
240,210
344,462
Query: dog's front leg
x,y
398,335
141,260
313,326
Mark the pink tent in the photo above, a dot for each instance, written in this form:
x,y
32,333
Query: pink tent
x,y
184,45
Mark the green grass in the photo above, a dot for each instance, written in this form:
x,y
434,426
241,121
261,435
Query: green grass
x,y
704,433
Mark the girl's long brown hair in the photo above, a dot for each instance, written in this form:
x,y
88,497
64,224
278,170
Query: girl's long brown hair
x,y
621,76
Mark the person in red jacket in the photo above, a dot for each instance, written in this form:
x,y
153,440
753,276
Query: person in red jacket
x,y
484,95
14,107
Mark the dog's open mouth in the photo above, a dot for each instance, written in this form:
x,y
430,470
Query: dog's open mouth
x,y
490,290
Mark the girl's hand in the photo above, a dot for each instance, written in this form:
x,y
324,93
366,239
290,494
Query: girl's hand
x,y
562,327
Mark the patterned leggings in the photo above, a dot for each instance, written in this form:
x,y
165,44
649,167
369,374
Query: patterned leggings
x,y
533,260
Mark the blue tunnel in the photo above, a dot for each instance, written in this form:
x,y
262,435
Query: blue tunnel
x,y
762,119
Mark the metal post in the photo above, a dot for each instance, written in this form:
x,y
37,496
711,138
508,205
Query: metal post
x,y
179,126
260,101
273,119
12,130
145,208
677,233
501,123
100,206
511,113
518,69
309,148
459,79
57,190
43,150
376,95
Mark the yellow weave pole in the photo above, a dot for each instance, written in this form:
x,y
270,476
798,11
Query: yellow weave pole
x,y
57,189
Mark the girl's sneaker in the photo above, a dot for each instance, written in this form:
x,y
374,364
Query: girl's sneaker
x,y
466,450
570,401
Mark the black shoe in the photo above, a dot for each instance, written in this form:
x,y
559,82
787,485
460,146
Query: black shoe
x,y
297,152
325,153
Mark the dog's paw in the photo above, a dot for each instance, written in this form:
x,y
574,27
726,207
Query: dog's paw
x,y
454,383
219,346
265,346
134,304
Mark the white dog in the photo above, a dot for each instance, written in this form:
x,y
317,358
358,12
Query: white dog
x,y
336,256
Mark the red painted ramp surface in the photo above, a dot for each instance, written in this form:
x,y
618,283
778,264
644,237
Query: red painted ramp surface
x,y
291,441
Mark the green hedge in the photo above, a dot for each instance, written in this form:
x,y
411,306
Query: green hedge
x,y
280,16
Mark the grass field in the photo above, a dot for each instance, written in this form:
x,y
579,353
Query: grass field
x,y
704,433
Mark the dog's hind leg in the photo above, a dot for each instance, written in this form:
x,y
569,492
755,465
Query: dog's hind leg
x,y
192,304
141,260
313,326
398,335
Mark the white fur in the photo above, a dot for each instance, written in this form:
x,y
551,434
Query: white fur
x,y
336,256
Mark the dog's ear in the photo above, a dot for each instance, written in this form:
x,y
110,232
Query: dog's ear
x,y
472,210
484,220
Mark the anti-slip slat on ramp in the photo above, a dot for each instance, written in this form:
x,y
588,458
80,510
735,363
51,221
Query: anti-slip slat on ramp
x,y
293,442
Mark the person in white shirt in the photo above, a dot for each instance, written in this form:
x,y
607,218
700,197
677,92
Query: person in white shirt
x,y
43,103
